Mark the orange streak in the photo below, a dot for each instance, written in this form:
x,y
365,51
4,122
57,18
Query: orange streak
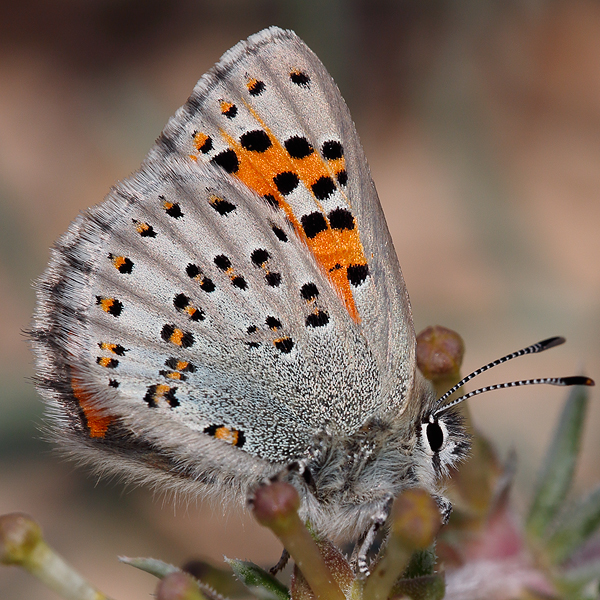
x,y
334,250
97,421
330,248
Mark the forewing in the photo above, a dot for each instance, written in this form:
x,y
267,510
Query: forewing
x,y
270,115
239,292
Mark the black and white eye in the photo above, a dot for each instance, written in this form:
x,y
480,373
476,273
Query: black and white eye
x,y
434,435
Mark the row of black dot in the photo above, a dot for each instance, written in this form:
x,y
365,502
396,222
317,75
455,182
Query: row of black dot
x,y
182,302
258,257
298,147
287,181
339,218
318,317
224,207
256,87
309,292
257,140
284,344
174,364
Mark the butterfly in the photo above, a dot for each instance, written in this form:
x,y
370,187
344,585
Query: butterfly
x,y
236,306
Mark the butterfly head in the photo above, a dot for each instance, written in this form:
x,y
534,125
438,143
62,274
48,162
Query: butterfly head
x,y
441,439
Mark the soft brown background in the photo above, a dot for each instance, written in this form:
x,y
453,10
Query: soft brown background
x,y
482,127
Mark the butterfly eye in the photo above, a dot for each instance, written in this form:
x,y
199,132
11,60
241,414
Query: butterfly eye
x,y
435,436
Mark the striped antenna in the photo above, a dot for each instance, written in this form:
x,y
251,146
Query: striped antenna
x,y
575,380
533,349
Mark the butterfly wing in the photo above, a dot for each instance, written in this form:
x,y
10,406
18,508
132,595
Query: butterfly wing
x,y
271,115
242,286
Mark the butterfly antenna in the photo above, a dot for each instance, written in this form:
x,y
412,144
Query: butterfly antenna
x,y
533,349
575,380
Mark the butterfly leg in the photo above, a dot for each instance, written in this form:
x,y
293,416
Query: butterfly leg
x,y
378,519
285,556
445,508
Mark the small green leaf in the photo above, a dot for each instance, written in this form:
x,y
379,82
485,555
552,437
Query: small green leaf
x,y
155,567
422,563
557,472
216,578
260,583
161,569
578,524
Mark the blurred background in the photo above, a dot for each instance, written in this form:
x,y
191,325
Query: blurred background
x,y
481,122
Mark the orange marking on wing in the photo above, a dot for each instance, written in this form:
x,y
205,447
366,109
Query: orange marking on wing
x,y
310,169
161,390
330,248
227,435
199,140
106,304
181,365
119,261
176,337
97,421
336,250
225,106
337,164
257,169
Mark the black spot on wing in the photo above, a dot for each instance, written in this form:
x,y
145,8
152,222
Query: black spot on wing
x,y
227,160
313,223
255,141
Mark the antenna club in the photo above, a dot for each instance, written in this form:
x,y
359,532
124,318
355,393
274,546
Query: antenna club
x,y
578,380
551,342
573,380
